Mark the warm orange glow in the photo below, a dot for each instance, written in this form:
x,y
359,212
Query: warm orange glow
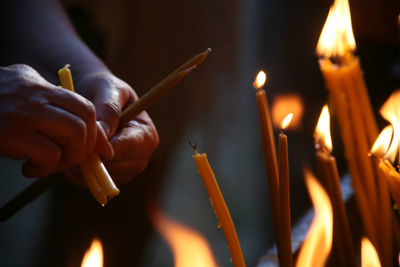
x,y
94,255
382,143
317,246
322,133
337,38
391,111
286,121
260,80
284,104
369,256
188,247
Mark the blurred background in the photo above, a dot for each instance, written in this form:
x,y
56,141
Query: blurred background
x,y
215,107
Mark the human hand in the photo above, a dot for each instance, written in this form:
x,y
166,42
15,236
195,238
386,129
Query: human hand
x,y
133,143
53,129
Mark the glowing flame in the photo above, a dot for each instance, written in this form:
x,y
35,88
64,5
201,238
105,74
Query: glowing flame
x,y
260,80
369,256
337,38
94,255
188,247
391,112
317,246
382,143
284,104
322,133
286,121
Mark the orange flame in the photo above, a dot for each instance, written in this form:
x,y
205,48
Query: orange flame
x,y
337,38
318,244
188,247
390,110
94,255
286,121
322,133
282,105
260,80
369,256
382,143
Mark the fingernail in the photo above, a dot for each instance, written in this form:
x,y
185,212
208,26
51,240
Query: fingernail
x,y
105,127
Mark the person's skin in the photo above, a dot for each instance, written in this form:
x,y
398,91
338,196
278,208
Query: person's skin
x,y
38,33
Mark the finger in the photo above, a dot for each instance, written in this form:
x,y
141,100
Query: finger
x,y
67,130
109,102
42,153
82,108
103,147
138,139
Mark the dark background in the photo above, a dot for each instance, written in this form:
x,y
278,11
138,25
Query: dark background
x,y
142,41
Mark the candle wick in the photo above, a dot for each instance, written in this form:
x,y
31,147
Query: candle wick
x,y
194,146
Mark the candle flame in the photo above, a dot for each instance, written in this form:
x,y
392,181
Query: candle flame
x,y
286,121
322,133
369,256
318,244
188,247
390,111
382,143
337,38
260,80
284,104
94,255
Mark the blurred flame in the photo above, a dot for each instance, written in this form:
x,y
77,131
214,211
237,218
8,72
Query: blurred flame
x,y
260,80
94,255
286,121
390,110
284,104
337,38
382,143
322,133
188,247
369,256
317,246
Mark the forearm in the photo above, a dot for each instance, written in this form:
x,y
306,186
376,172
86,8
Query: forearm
x,y
38,33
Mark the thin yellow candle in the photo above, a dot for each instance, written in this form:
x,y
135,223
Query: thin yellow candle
x,y
220,208
284,194
93,170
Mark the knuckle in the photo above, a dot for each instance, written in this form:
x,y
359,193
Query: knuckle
x,y
78,130
112,109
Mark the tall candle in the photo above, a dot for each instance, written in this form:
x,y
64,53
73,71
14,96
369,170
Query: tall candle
x,y
284,195
342,238
220,208
269,158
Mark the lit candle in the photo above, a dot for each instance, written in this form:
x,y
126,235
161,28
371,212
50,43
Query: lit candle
x,y
284,194
220,208
328,172
269,157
